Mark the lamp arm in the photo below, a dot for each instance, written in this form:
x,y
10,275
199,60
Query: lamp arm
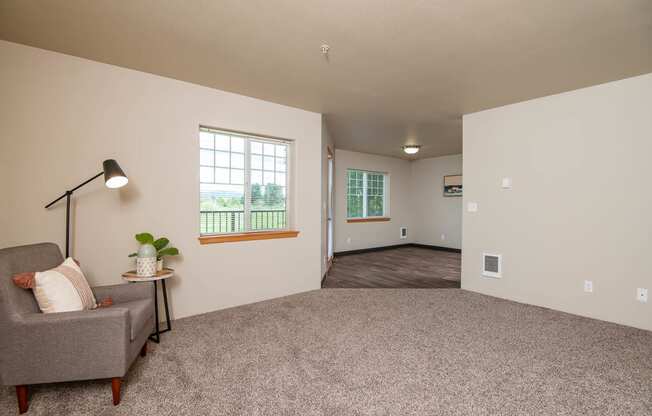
x,y
74,189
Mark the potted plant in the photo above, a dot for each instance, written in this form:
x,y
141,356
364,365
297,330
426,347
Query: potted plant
x,y
160,246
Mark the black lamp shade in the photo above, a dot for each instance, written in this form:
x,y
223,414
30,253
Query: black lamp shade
x,y
114,177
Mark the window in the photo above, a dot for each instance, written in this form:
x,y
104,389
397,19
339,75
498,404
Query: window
x,y
366,192
243,182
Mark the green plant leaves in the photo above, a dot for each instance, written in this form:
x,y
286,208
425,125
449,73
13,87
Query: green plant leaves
x,y
145,238
161,243
170,251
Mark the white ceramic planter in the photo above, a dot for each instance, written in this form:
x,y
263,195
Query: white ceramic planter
x,y
146,266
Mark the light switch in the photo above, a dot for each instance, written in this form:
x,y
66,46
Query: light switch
x,y
472,207
506,183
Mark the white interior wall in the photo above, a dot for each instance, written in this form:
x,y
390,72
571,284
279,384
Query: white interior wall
x,y
580,203
439,217
416,201
353,236
60,116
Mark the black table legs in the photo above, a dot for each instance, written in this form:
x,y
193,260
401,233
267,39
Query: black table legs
x,y
156,336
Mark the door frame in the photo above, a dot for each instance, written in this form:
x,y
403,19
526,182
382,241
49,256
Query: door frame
x,y
329,208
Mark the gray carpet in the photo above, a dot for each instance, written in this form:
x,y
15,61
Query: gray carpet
x,y
376,352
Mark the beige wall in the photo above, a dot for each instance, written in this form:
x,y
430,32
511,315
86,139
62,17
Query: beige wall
x,y
439,218
373,234
60,116
580,204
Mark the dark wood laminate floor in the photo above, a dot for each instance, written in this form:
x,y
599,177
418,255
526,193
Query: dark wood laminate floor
x,y
404,267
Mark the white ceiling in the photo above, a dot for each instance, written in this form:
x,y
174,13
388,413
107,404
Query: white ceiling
x,y
398,71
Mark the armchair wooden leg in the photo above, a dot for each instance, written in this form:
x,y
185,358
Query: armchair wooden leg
x,y
143,351
115,388
21,394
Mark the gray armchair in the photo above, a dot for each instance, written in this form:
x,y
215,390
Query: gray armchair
x,y
48,348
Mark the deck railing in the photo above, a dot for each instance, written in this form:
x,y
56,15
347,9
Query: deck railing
x,y
215,222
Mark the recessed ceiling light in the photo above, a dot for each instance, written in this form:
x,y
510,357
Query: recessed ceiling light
x,y
411,149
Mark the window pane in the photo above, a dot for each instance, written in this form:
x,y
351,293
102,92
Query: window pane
x,y
269,163
256,148
268,207
354,206
222,159
372,192
268,177
237,176
206,140
222,142
375,206
268,219
221,209
269,149
375,185
257,195
206,157
280,165
257,177
237,144
256,162
205,174
237,160
221,175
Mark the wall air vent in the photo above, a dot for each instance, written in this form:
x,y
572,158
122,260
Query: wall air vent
x,y
403,233
492,265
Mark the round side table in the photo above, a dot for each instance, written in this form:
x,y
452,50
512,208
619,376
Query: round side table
x,y
161,276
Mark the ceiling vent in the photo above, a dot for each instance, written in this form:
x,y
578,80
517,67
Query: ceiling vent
x,y
403,233
492,265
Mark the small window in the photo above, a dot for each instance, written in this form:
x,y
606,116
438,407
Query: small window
x,y
366,194
243,182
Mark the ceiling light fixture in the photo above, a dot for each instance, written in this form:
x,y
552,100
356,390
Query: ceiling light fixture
x,y
411,149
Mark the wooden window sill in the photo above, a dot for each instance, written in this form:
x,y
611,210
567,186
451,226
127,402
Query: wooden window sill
x,y
372,219
250,236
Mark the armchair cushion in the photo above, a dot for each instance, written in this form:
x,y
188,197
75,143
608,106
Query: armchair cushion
x,y
138,298
140,314
67,346
125,292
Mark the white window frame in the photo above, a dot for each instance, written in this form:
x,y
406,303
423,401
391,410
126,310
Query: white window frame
x,y
365,184
248,138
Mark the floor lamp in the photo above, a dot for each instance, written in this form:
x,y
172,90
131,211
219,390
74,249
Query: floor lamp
x,y
114,178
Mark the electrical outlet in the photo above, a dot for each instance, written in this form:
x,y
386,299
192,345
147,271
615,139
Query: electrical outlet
x,y
472,207
443,237
641,295
588,286
348,240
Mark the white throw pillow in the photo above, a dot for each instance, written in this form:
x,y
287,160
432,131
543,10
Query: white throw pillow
x,y
63,289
